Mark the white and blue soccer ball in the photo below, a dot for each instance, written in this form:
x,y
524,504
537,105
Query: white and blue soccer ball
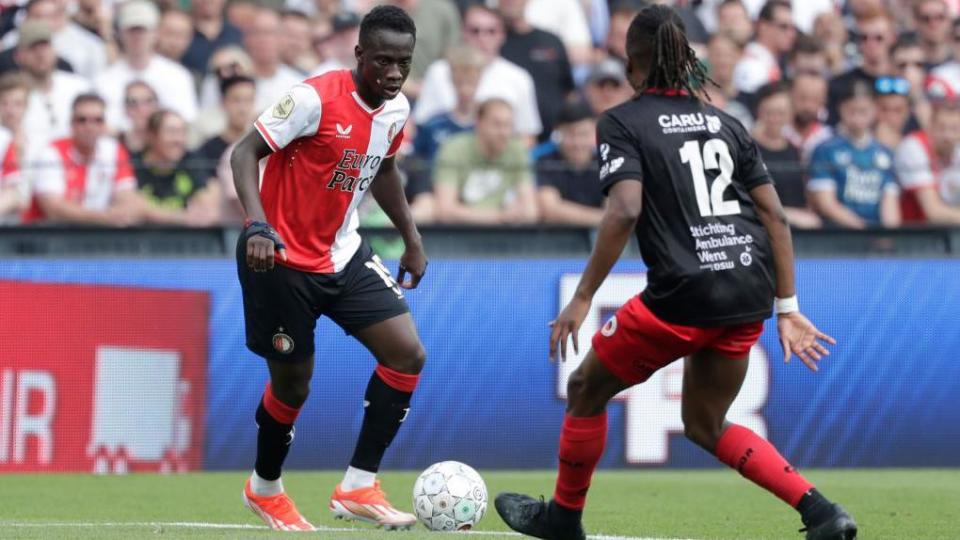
x,y
449,496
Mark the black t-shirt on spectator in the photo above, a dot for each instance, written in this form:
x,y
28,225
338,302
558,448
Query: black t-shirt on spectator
x,y
170,188
7,62
209,155
543,55
838,85
579,186
787,172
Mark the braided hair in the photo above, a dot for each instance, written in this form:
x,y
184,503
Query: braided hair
x,y
657,41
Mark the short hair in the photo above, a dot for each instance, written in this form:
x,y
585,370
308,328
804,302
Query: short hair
x,y
489,103
14,80
386,18
728,3
875,13
87,97
806,44
140,82
768,91
28,7
918,3
156,119
907,40
235,80
766,12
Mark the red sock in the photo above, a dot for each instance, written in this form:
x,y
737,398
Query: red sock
x,y
581,444
758,461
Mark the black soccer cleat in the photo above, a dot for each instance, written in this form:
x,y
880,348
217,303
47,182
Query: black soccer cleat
x,y
839,526
537,518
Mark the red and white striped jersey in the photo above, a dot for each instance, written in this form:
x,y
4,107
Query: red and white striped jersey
x,y
59,169
327,148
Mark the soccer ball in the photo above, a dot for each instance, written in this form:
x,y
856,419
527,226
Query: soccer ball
x,y
449,496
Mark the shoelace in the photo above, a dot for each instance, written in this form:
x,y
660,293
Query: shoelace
x,y
532,509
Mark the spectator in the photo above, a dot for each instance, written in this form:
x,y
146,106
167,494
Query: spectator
x,y
339,45
773,113
139,103
928,166
894,119
226,62
484,178
807,56
734,20
138,21
909,63
852,184
775,35
621,16
544,57
96,17
83,50
13,104
809,98
174,34
238,95
466,67
567,20
171,179
295,50
484,29
85,178
52,91
875,37
262,42
723,53
934,30
316,9
442,20
567,179
829,30
211,31
607,86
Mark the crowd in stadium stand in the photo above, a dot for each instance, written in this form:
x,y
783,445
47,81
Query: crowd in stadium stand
x,y
119,113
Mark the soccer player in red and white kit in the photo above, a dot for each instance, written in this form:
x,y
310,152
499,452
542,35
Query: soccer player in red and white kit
x,y
300,176
716,251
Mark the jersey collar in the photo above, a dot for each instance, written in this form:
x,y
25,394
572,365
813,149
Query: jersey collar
x,y
670,92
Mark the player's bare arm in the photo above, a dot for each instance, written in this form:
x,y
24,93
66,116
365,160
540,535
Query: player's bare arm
x,y
797,334
387,189
245,161
624,204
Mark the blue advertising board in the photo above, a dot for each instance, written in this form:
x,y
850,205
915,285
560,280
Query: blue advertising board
x,y
489,395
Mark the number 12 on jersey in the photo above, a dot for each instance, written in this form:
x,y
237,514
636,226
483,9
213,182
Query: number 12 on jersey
x,y
715,155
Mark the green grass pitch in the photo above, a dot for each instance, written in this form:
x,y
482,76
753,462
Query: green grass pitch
x,y
714,504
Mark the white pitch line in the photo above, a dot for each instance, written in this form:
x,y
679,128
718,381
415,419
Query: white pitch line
x,y
246,526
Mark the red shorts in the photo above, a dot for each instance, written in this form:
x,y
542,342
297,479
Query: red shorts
x,y
634,343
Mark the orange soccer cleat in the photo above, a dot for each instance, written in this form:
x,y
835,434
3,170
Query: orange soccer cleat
x,y
277,511
370,505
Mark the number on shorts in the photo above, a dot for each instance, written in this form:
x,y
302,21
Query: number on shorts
x,y
377,266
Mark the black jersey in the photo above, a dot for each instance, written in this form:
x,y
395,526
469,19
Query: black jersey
x,y
708,255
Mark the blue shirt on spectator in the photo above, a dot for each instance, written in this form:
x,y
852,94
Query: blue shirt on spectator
x,y
860,175
201,48
432,133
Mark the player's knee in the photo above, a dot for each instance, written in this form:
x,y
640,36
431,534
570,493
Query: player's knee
x,y
291,392
408,359
582,396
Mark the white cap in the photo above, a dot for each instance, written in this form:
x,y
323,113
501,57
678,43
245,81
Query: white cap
x,y
138,14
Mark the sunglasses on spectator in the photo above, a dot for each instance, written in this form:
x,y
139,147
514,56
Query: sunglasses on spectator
x,y
483,30
88,119
928,18
225,70
886,86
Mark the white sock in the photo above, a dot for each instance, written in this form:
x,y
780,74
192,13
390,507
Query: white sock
x,y
265,488
357,478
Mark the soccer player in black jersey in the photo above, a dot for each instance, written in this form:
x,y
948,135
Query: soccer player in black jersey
x,y
715,239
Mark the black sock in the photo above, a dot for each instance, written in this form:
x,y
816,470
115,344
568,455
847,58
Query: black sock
x,y
814,508
386,409
563,514
273,443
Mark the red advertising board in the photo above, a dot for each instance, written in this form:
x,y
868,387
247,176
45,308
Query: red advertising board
x,y
101,379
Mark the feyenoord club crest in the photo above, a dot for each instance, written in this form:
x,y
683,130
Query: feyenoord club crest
x,y
282,343
392,132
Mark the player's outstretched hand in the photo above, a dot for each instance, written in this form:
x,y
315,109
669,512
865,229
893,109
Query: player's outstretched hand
x,y
262,243
414,261
567,324
800,337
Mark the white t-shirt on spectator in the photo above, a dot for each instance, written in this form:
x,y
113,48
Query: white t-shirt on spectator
x,y
85,52
48,113
915,170
271,89
171,81
502,79
565,18
757,68
804,13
